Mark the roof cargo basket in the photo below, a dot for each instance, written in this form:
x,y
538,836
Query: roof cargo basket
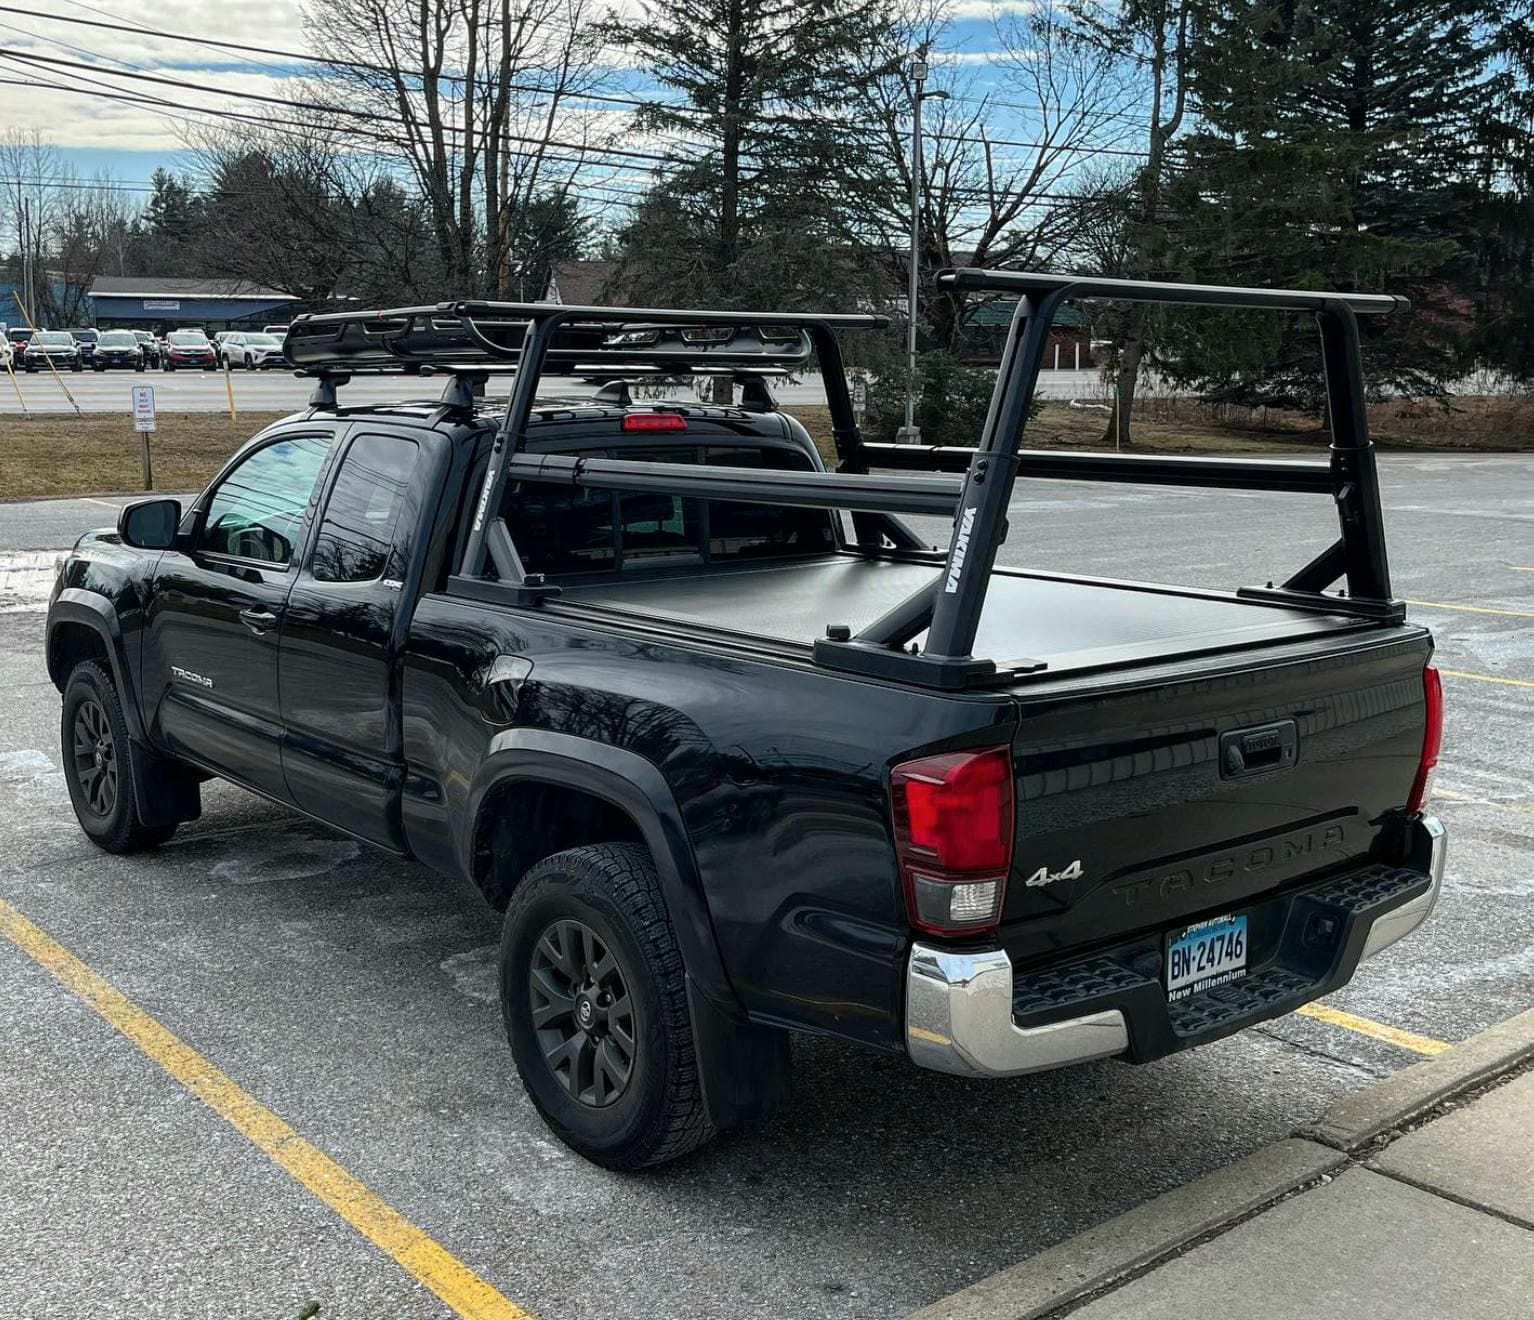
x,y
584,340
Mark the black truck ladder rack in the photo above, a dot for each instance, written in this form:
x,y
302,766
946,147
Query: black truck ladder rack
x,y
541,337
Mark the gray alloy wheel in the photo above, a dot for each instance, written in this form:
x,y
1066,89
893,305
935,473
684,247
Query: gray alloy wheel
x,y
95,758
583,1013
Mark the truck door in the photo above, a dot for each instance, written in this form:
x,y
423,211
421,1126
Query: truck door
x,y
215,614
344,629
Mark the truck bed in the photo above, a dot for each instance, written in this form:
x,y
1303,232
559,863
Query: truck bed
x,y
1067,622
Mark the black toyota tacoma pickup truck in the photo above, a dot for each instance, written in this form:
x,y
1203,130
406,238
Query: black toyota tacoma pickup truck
x,y
737,753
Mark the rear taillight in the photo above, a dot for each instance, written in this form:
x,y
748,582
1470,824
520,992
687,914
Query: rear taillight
x,y
953,838
1432,741
654,421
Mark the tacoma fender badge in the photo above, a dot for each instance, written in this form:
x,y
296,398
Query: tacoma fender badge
x,y
1044,876
186,675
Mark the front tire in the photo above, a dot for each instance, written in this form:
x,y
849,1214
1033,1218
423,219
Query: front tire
x,y
97,755
595,1005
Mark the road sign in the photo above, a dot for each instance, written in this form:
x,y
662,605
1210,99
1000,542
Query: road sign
x,y
143,407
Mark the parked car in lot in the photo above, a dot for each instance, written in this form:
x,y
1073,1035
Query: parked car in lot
x,y
52,347
118,348
87,339
189,348
16,336
154,351
734,750
253,351
7,353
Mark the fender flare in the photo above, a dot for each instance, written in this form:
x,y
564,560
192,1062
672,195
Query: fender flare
x,y
165,793
627,781
77,606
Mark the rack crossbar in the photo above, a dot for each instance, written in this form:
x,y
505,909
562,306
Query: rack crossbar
x,y
805,490
1186,295
1140,469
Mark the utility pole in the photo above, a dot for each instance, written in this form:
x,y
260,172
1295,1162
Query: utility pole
x,y
28,270
910,433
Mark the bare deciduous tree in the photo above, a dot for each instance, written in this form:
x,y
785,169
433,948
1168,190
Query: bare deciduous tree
x,y
470,92
77,228
990,198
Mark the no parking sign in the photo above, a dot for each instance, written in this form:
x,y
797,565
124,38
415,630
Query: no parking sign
x,y
143,407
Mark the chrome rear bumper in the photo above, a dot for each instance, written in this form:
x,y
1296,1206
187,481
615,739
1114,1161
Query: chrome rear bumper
x,y
959,1003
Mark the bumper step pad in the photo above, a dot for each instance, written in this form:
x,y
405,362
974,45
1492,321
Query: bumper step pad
x,y
1296,968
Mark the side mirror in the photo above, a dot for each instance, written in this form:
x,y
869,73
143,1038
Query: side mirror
x,y
150,524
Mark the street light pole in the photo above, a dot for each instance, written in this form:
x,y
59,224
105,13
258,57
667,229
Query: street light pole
x,y
910,433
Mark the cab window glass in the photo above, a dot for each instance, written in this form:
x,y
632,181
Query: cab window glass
x,y
745,531
258,508
369,495
562,529
655,526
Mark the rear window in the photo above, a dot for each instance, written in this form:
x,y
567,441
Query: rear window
x,y
562,530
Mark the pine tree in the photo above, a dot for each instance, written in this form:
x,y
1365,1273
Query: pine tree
x,y
1338,149
758,109
1504,341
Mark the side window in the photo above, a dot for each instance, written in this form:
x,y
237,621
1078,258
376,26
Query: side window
x,y
256,511
370,492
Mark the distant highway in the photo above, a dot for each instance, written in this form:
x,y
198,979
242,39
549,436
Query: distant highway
x,y
270,391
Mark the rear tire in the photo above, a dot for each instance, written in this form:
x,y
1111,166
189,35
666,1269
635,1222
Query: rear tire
x,y
96,752
594,1000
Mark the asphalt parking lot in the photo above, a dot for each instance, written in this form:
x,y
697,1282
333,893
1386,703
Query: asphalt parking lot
x,y
351,996
280,391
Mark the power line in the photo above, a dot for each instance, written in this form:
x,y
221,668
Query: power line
x,y
632,102
319,107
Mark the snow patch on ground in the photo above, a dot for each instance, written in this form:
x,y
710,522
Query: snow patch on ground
x,y
474,973
26,580
288,859
25,766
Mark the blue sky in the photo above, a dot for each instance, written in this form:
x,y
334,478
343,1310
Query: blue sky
x,y
95,133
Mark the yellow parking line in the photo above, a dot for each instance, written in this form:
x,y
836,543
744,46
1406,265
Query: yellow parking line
x,y
1451,796
1472,609
418,1255
1407,1040
1486,678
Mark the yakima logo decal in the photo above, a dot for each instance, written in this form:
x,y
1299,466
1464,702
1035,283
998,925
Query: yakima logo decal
x,y
960,549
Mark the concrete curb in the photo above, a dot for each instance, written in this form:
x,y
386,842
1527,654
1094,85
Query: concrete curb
x,y
1098,1257
1102,1256
1363,1117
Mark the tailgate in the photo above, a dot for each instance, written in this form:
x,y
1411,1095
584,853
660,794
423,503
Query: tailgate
x,y
1144,804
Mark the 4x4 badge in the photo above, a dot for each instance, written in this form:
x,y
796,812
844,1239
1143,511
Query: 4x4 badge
x,y
1044,876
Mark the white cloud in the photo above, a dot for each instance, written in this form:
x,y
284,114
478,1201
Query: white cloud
x,y
84,116
961,9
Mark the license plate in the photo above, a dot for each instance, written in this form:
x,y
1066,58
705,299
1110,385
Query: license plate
x,y
1209,954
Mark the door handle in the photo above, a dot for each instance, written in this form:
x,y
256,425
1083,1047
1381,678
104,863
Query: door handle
x,y
258,621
